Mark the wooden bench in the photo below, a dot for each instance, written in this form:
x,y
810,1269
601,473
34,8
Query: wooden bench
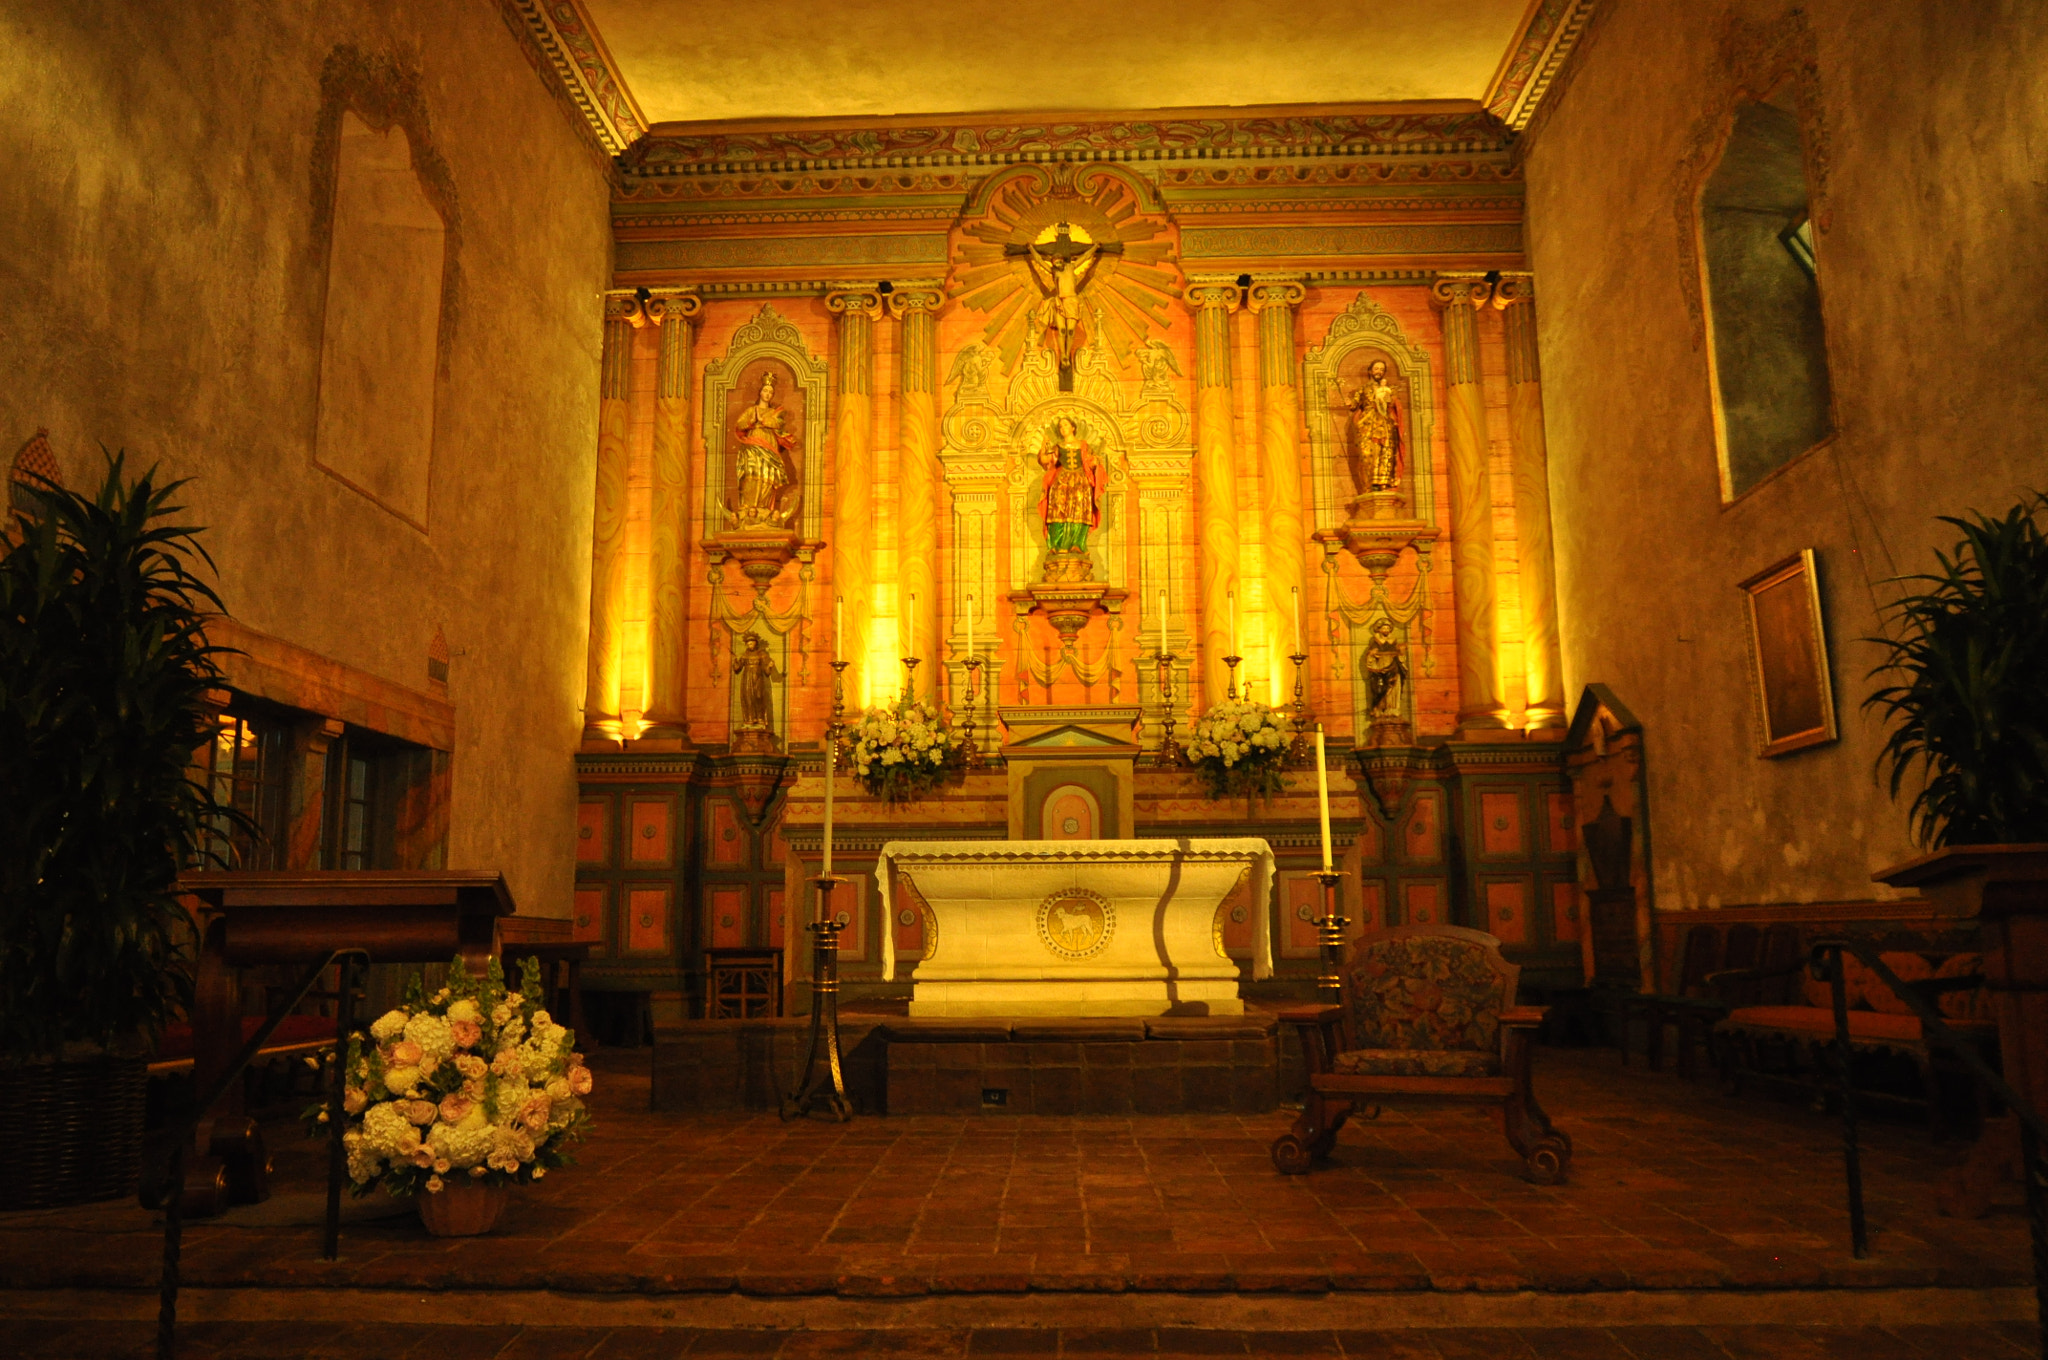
x,y
1428,1016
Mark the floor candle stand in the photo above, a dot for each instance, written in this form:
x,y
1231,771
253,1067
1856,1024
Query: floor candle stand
x,y
822,1082
1330,935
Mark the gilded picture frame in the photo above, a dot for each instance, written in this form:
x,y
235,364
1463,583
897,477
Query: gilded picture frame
x,y
1789,657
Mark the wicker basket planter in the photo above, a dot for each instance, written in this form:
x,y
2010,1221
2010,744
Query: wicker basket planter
x,y
72,1130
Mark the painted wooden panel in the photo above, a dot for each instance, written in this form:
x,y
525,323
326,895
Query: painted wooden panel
x,y
725,837
593,831
778,916
649,841
909,923
1421,839
1070,814
648,912
1500,823
587,923
850,907
1562,827
1564,910
1422,904
1370,916
1301,906
1372,840
727,910
1507,910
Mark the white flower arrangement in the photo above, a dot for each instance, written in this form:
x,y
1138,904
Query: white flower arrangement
x,y
903,751
475,1081
1240,745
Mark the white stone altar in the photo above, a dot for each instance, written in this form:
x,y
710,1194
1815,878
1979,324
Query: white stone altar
x,y
1076,928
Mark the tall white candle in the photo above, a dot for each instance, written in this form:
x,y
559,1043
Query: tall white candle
x,y
910,627
1162,623
831,758
1322,796
970,625
1300,631
1230,607
838,627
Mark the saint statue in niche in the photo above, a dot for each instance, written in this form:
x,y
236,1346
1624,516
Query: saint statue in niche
x,y
764,444
1385,673
757,676
1376,430
1071,501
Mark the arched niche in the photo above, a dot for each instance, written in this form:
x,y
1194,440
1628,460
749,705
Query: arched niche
x,y
1330,373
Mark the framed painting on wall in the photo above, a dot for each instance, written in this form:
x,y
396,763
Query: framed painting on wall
x,y
1789,657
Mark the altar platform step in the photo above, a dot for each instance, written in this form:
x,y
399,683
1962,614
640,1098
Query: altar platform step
x,y
1032,1065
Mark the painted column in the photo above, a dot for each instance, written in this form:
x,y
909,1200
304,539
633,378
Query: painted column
x,y
917,475
1472,582
1215,477
853,495
608,521
1516,294
668,629
1273,301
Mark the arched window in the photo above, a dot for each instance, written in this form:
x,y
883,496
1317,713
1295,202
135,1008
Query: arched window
x,y
1768,352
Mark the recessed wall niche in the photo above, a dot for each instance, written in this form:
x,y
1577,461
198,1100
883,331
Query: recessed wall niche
x,y
1768,353
380,336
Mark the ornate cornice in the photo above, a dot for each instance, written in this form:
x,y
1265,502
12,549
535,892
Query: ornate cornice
x,y
570,42
1533,60
1451,128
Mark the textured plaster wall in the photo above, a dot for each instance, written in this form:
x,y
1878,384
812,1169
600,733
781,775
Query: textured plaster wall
x,y
161,280
1935,122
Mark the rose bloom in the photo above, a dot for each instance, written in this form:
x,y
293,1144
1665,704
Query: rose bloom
x,y
433,1185
534,1114
406,1053
466,1033
579,1080
353,1099
419,1112
456,1108
469,1065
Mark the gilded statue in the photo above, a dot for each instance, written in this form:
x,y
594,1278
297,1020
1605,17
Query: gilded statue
x,y
757,676
1071,500
1385,673
765,467
1376,430
1062,271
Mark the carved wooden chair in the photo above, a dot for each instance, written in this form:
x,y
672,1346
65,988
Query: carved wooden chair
x,y
1428,1016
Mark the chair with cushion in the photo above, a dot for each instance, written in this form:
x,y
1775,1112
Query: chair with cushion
x,y
1428,1016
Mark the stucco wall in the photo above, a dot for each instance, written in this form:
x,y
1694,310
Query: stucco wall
x,y
1932,134
162,273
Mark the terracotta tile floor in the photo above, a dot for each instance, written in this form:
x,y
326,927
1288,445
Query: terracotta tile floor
x,y
390,1341
1674,1186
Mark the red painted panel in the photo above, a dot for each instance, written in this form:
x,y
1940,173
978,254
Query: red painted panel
x,y
587,919
593,839
647,919
648,840
778,917
1420,842
727,845
1500,823
1371,914
1564,910
1301,906
1239,939
1070,814
850,906
1563,826
728,908
1372,841
1507,910
1422,904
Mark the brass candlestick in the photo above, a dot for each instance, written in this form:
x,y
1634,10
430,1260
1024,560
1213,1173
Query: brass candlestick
x,y
1231,661
910,678
835,731
972,750
1169,749
1330,935
1298,749
823,1078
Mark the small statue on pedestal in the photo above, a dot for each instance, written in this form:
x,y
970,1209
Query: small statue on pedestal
x,y
1386,675
1070,503
757,674
764,467
1376,428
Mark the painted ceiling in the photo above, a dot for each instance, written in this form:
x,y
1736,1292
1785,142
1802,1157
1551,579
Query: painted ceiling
x,y
699,60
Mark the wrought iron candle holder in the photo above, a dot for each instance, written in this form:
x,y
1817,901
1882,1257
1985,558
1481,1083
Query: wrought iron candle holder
x,y
1169,749
1330,935
971,749
822,1081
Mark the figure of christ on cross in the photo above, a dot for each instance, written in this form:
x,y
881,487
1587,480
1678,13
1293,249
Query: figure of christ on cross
x,y
1062,261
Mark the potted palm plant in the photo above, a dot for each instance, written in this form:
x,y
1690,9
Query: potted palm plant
x,y
1967,658
104,670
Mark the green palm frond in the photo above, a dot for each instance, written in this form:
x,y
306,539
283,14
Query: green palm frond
x,y
1968,706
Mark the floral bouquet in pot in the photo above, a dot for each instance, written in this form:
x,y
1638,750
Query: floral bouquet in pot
x,y
1240,746
474,1086
902,752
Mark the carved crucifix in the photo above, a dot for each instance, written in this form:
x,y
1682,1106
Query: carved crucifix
x,y
1062,260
